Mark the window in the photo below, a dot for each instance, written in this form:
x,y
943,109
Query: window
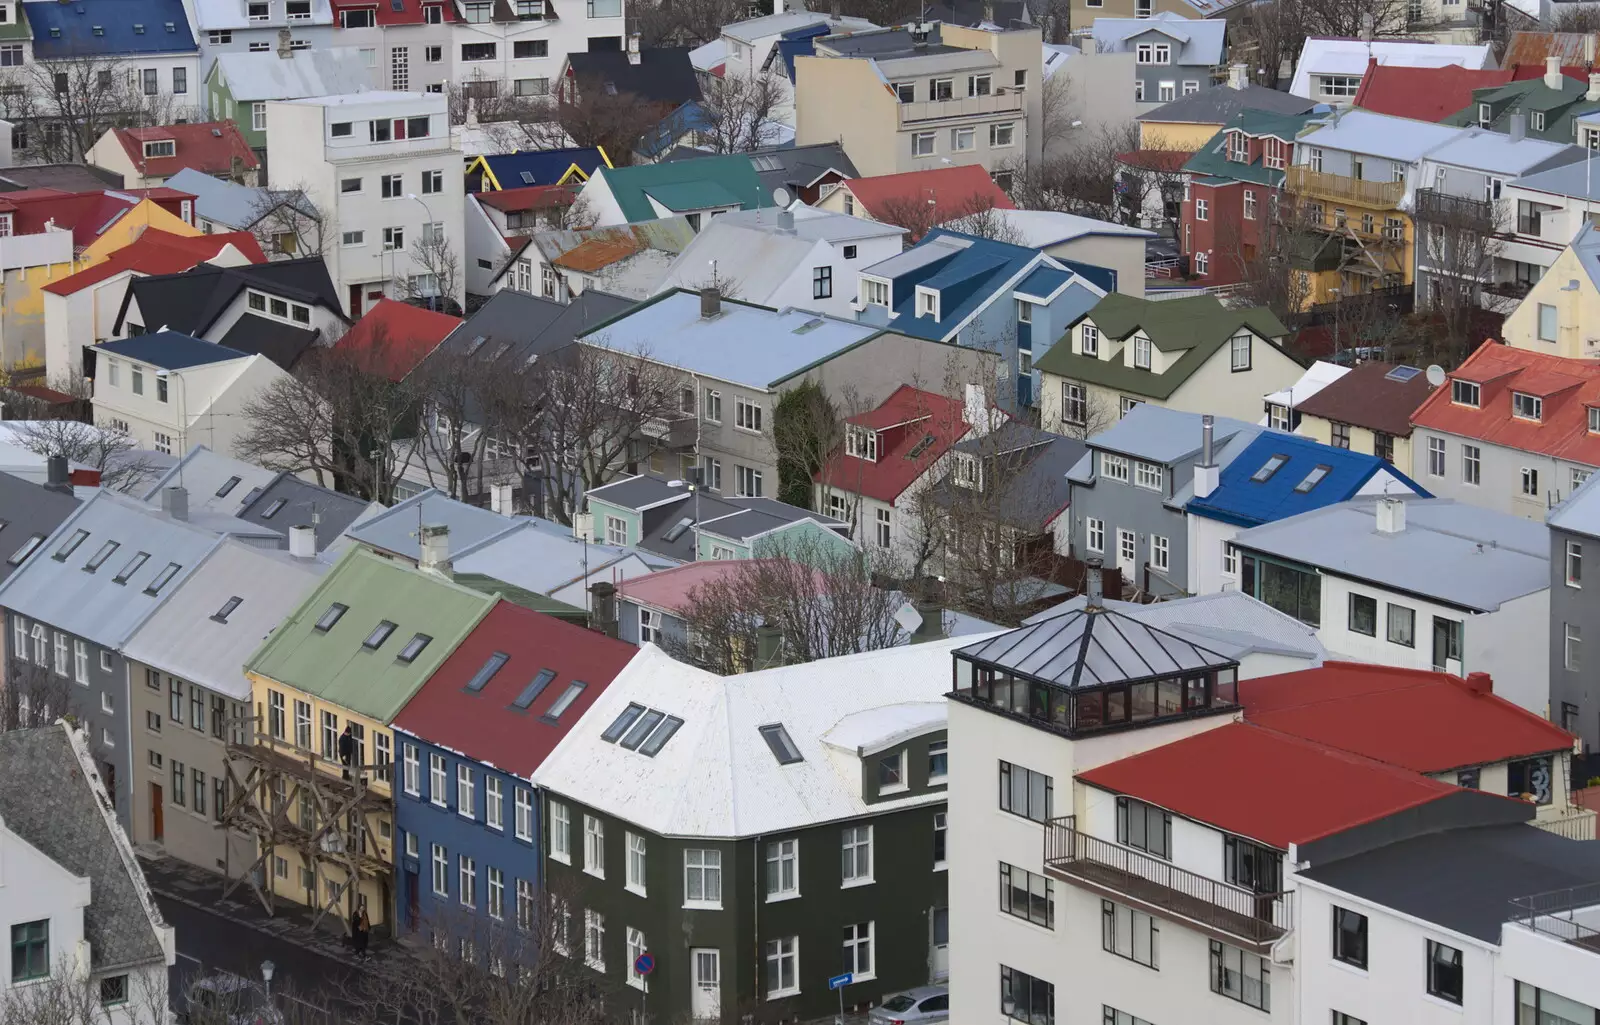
x,y
922,144
394,238
1464,393
1130,934
858,944
747,481
1114,467
1471,464
530,48
1349,937
1526,407
1530,481
635,879
1074,403
1402,625
1148,475
940,89
1340,1018
1444,972
179,779
1547,323
711,473
892,772
856,855
938,760
747,415
1025,792
1094,534
594,846
883,526
1241,976
962,140
1089,340
433,54
80,661
30,951
410,769
1027,896
783,869
1144,827
822,282
702,878
1025,998
1160,553
636,947
465,786
467,873
1239,350
61,669
477,51
438,779
1001,136
1363,615
941,829
1141,352
274,710
1531,779
875,293
783,967
1202,264
1573,646
560,825
379,634
1201,210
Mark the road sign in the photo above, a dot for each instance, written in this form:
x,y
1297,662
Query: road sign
x,y
644,964
841,981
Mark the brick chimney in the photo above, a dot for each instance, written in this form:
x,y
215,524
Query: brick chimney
x,y
1481,684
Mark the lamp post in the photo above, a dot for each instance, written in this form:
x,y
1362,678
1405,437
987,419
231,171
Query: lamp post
x,y
267,968
428,228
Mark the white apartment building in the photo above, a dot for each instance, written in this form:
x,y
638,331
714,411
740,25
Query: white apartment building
x,y
382,167
258,26
1544,212
523,52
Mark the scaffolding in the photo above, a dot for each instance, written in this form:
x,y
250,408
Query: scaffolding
x,y
338,800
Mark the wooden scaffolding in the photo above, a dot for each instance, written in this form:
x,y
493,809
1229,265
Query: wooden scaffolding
x,y
277,777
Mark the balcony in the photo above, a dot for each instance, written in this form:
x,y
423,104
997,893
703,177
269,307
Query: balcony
x,y
1435,207
1503,296
1254,921
676,434
930,111
1571,915
1577,824
1337,188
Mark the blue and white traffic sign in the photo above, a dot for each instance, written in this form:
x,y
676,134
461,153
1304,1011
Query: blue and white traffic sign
x,y
841,981
645,963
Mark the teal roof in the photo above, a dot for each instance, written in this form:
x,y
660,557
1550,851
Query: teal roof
x,y
685,185
1211,160
1559,107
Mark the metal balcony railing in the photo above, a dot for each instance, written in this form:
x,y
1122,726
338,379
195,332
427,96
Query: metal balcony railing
x,y
1554,913
1435,207
1303,181
1255,920
1578,825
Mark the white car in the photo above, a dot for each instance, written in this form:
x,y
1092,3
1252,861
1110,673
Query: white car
x,y
921,1006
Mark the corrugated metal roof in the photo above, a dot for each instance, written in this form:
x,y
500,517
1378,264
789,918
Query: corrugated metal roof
x,y
1295,475
326,71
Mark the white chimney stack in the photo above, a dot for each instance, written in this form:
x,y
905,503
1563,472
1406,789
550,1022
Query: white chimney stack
x,y
1238,76
1391,516
303,541
436,549
1594,86
976,410
633,48
500,500
1552,72
1206,473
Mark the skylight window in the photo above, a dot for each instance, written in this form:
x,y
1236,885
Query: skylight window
x,y
677,529
1312,479
330,617
641,729
162,578
620,724
1271,466
71,544
134,565
99,558
413,648
1402,374
534,689
272,510
379,634
566,699
485,673
227,486
527,177
26,550
222,614
252,495
663,733
476,344
783,748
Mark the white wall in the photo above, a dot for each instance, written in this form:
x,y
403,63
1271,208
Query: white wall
x,y
32,887
1499,484
483,239
1546,962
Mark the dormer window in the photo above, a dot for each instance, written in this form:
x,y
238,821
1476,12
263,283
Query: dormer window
x,y
1273,154
1238,148
1141,352
1527,407
1594,419
1090,340
1485,115
967,473
861,443
160,148
1464,393
927,303
875,293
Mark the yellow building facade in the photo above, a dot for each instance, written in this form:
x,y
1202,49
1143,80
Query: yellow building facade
x,y
1349,236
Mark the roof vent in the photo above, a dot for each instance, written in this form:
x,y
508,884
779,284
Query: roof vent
x,y
216,133
138,29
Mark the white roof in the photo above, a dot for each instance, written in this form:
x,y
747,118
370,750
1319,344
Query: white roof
x,y
1479,149
1056,55
266,76
716,777
1379,135
708,56
810,223
1230,623
182,638
874,729
1317,377
1040,228
1199,41
367,96
1349,57
210,15
752,29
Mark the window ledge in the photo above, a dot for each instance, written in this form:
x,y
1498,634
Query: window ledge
x,y
1346,966
635,889
565,859
898,788
498,828
941,866
1438,1001
591,872
779,994
851,884
701,905
939,781
774,898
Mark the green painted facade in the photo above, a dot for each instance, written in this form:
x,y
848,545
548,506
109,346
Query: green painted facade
x,y
220,101
602,509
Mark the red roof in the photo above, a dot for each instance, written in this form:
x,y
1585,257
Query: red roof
x,y
954,191
1412,718
1297,791
206,146
160,252
1535,69
1567,386
1155,159
444,712
670,588
903,421
398,12
396,336
1423,94
529,197
86,214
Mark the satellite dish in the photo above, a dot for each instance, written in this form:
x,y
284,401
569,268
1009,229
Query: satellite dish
x,y
1435,375
780,196
908,617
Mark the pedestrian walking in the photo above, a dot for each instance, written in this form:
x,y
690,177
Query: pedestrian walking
x,y
363,932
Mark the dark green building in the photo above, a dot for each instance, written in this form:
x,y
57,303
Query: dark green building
x,y
758,835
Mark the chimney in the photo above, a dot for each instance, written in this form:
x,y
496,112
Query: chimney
x,y
1094,588
500,499
1594,86
1206,471
786,221
1238,76
1518,129
435,550
1391,516
633,48
988,12
175,502
932,626
1552,73
769,646
1481,684
603,608
1588,48
710,302
285,51
56,477
975,411
303,541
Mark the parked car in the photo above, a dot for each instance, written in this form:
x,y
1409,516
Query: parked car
x,y
226,999
921,1006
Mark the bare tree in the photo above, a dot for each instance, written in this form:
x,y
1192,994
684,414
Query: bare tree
x,y
685,22
71,996
108,448
1082,178
594,117
1582,19
1268,36
33,696
737,113
807,429
920,214
1273,271
451,443
65,106
285,222
1458,240
487,101
437,282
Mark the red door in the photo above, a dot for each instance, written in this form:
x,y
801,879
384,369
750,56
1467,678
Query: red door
x,y
355,302
157,825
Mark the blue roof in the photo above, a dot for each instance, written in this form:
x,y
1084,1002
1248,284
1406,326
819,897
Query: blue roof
x,y
1043,281
800,42
1243,501
169,350
84,28
544,167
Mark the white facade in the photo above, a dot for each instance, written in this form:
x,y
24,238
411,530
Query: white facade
x,y
204,405
347,154
1502,481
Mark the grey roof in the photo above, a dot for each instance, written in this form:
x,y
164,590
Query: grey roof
x,y
1571,180
1480,149
94,605
27,509
324,71
1379,135
1579,512
1163,435
663,506
886,44
304,504
51,802
808,223
1465,879
516,326
1218,106
229,203
204,473
184,637
66,177
753,29
1032,467
1230,623
1199,42
1093,647
1453,553
395,530
546,558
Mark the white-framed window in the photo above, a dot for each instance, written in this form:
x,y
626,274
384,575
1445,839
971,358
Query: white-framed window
x,y
859,959
636,947
1572,651
874,293
1530,481
467,880
856,855
441,871
747,481
1074,403
922,144
885,534
1160,552
560,827
783,967
1526,407
410,769
1465,393
1094,534
494,806
1166,92
1249,204
1141,352
1202,210
1114,467
522,815
783,869
1001,136
594,939
465,786
525,904
1436,457
927,303
1239,351
1574,564
1089,340
1549,322
746,414
963,140
594,846
649,626
616,530
636,861
1230,559
1202,264
1471,464
497,891
1149,475
711,409
702,878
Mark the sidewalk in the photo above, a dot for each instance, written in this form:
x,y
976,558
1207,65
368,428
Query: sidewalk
x,y
202,889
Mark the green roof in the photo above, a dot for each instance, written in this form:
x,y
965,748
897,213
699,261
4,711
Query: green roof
x,y
17,29
1198,326
486,584
336,665
1212,160
1559,107
685,185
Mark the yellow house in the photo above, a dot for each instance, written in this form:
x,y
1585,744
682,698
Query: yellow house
x,y
147,213
1367,410
326,687
1560,316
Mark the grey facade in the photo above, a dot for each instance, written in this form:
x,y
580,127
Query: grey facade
x,y
1574,616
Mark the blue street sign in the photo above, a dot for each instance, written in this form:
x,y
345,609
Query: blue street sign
x,y
644,964
841,981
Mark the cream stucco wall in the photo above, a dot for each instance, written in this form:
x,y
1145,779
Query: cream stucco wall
x,y
1361,439
1577,312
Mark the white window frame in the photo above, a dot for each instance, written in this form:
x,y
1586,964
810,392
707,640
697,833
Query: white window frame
x,y
560,828
778,951
702,866
852,943
853,840
1436,457
494,806
441,871
594,846
410,769
1094,534
637,851
782,853
466,788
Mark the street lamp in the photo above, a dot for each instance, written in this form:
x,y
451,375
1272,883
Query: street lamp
x,y
267,968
